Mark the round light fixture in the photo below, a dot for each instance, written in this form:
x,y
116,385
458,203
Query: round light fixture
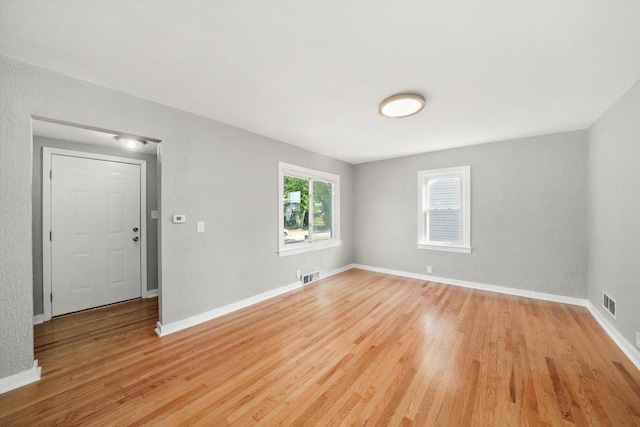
x,y
401,105
130,143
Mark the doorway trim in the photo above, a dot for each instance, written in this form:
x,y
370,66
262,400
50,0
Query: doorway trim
x,y
47,153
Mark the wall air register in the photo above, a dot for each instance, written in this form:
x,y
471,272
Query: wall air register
x,y
311,277
609,304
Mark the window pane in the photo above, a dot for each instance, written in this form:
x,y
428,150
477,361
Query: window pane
x,y
296,210
444,216
322,210
444,226
444,193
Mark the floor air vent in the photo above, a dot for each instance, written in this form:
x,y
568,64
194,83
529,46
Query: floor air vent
x,y
311,277
609,303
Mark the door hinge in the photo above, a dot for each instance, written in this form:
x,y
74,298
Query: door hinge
x,y
50,173
50,233
51,296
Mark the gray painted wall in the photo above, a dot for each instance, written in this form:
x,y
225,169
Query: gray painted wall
x,y
36,203
528,217
529,200
210,171
614,203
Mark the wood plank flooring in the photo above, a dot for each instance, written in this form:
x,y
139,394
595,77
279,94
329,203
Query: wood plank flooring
x,y
360,348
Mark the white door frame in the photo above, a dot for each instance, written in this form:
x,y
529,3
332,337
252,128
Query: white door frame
x,y
47,152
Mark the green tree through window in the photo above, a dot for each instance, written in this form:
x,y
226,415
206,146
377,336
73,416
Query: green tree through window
x,y
309,210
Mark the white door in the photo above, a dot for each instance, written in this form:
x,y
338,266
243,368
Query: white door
x,y
95,226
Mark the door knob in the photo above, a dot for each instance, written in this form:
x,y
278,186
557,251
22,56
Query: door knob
x,y
135,239
135,229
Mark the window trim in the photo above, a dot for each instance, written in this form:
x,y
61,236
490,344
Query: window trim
x,y
464,172
306,173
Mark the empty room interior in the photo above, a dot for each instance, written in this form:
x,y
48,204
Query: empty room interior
x,y
403,213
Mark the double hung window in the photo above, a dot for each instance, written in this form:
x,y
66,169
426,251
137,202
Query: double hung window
x,y
444,209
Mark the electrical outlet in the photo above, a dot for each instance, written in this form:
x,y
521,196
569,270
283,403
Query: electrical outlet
x,y
298,274
429,269
637,339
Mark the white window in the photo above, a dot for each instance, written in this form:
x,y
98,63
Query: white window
x,y
309,215
444,209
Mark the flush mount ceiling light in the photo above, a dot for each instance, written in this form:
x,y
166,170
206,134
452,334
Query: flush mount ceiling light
x,y
401,105
130,143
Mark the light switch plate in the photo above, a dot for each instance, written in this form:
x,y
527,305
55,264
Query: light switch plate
x,y
154,214
200,226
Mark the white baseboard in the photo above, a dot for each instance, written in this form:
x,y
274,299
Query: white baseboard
x,y
38,318
153,293
492,288
336,271
618,339
170,328
627,348
20,379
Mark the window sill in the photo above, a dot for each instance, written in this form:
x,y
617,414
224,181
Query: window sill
x,y
445,248
309,248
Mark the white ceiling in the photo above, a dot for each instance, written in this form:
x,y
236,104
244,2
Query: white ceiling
x,y
311,73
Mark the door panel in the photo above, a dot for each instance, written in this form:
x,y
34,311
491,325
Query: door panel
x,y
116,267
95,206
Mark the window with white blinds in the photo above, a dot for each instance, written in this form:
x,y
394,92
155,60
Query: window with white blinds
x,y
444,209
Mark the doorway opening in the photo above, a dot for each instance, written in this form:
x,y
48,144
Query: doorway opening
x,y
95,258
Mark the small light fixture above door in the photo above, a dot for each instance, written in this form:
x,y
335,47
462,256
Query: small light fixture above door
x,y
401,105
130,143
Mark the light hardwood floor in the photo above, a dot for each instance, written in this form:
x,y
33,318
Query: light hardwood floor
x,y
360,348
